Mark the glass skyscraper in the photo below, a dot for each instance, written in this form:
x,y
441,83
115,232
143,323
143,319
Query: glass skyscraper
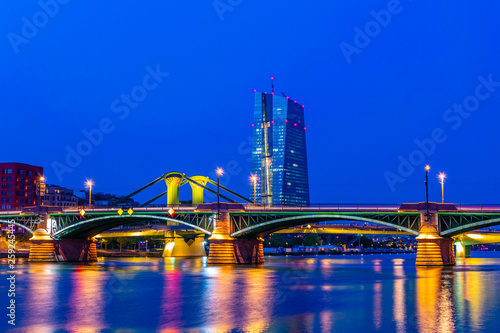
x,y
279,157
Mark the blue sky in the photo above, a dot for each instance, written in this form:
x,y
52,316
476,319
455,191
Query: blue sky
x,y
384,85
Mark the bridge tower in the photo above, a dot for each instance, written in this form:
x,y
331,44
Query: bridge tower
x,y
173,181
198,190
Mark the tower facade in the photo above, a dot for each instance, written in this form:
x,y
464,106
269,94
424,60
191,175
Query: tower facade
x,y
279,156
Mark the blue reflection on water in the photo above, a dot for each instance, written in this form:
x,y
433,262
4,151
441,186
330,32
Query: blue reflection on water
x,y
385,293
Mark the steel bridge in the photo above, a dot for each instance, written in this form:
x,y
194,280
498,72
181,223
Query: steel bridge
x,y
248,221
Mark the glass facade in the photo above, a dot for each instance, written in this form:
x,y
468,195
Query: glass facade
x,y
279,157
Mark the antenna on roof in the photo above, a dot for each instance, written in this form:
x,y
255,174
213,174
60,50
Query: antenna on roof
x,y
272,84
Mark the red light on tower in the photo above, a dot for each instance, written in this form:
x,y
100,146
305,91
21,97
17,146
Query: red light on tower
x,y
272,122
287,97
295,101
272,77
253,125
304,128
286,120
255,90
295,124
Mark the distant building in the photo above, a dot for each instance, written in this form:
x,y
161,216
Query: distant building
x,y
279,157
18,185
59,196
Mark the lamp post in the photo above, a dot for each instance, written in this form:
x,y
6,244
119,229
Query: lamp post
x,y
254,180
40,187
427,168
442,176
89,184
219,172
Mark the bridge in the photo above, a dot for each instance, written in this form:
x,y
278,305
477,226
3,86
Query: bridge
x,y
236,229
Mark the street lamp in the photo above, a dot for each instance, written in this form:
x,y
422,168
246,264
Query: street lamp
x,y
427,168
254,180
41,188
219,172
441,177
89,184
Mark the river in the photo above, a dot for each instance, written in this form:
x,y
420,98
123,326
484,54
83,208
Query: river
x,y
351,293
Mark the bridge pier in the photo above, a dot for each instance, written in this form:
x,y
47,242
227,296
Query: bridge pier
x,y
45,249
225,249
178,244
433,250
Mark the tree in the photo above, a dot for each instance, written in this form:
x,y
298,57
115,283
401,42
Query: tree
x,y
312,240
277,240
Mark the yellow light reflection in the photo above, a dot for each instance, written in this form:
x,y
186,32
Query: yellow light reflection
x,y
435,304
475,236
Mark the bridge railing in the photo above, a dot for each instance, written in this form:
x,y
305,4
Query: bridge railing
x,y
330,206
478,207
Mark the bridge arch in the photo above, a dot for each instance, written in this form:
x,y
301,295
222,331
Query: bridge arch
x,y
470,227
268,227
17,224
92,227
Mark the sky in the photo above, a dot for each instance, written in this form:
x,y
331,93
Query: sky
x,y
123,93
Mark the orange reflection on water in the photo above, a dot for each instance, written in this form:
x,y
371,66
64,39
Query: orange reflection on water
x,y
435,308
473,289
219,298
258,300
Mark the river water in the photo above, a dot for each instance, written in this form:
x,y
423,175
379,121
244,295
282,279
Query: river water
x,y
352,293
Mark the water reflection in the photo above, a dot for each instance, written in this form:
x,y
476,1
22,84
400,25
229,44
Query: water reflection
x,y
42,298
435,305
87,301
386,294
399,296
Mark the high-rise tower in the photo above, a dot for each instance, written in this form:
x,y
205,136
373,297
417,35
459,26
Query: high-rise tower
x,y
279,157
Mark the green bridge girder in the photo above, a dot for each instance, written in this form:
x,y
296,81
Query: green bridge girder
x,y
251,223
258,224
452,224
71,226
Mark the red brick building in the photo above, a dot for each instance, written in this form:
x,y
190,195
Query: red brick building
x,y
18,185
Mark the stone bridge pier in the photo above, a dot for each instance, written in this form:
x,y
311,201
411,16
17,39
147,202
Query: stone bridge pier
x,y
225,249
433,250
45,249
